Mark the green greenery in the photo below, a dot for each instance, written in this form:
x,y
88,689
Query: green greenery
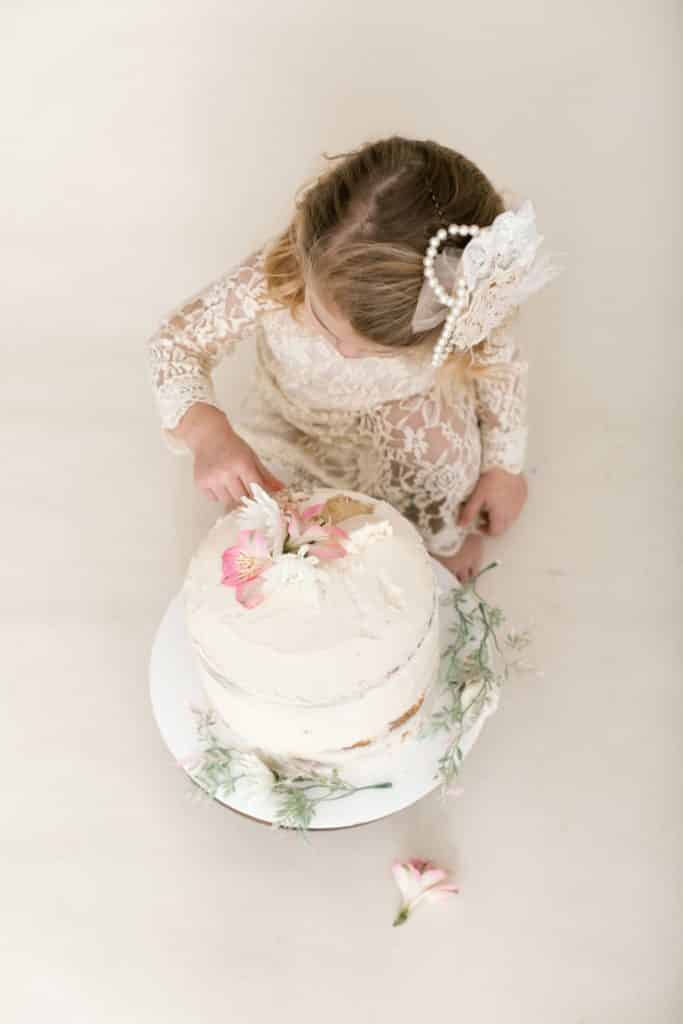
x,y
468,678
219,769
299,796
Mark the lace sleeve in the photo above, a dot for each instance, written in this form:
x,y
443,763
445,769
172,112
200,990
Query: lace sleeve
x,y
415,453
195,336
501,401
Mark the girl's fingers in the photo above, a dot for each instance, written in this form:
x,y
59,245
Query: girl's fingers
x,y
272,483
258,477
231,488
468,512
496,525
227,492
222,492
248,480
269,479
240,489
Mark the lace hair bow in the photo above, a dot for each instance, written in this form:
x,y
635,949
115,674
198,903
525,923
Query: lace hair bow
x,y
474,289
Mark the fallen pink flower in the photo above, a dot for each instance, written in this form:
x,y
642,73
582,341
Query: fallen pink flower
x,y
417,880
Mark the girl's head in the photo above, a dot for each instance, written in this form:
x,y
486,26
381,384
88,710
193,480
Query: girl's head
x,y
350,264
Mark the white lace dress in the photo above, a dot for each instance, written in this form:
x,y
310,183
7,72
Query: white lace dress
x,y
372,424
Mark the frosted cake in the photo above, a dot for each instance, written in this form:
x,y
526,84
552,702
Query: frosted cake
x,y
314,618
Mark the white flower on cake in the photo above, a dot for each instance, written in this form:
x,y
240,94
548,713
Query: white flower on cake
x,y
263,513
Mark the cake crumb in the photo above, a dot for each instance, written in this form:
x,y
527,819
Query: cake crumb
x,y
360,743
408,714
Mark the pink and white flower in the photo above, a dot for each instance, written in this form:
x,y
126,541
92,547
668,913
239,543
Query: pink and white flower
x,y
417,880
304,528
279,545
243,565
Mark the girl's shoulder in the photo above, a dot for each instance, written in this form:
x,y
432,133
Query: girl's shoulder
x,y
245,287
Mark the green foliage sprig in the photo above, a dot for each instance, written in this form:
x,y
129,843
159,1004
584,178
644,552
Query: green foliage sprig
x,y
468,678
219,769
299,796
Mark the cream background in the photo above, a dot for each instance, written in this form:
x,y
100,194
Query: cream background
x,y
147,147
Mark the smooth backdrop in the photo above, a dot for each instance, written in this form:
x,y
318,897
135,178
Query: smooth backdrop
x,y
145,148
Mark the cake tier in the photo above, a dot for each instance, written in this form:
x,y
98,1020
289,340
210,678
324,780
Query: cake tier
x,y
323,731
311,675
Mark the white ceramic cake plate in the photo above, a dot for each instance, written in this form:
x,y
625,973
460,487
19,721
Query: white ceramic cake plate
x,y
412,770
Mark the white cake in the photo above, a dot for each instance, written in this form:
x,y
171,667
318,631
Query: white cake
x,y
336,657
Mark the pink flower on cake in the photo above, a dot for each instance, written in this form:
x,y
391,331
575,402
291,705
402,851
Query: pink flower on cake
x,y
417,880
281,542
303,528
244,563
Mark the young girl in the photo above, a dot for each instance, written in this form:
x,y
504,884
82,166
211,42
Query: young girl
x,y
352,388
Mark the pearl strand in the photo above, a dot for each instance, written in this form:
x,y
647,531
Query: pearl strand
x,y
457,302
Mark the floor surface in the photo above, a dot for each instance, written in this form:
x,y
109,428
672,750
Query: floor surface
x,y
150,146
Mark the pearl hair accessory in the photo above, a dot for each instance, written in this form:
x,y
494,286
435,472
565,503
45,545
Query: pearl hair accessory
x,y
457,302
475,288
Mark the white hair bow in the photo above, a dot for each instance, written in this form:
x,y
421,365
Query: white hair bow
x,y
501,266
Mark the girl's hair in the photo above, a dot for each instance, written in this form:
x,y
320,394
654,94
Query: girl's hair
x,y
361,230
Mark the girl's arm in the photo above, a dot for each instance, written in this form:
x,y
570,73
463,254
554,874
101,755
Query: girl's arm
x,y
500,395
187,345
501,401
192,339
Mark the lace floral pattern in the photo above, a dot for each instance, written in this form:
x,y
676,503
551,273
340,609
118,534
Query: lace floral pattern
x,y
193,338
509,261
377,425
423,455
501,397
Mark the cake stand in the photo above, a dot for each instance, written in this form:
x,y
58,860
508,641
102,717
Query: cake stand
x,y
179,702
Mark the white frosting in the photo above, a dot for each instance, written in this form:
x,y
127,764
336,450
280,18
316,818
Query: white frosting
x,y
307,672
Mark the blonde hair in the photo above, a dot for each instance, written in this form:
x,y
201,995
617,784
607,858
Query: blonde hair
x,y
361,229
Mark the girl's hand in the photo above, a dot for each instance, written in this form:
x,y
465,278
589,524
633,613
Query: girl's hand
x,y
224,464
500,496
